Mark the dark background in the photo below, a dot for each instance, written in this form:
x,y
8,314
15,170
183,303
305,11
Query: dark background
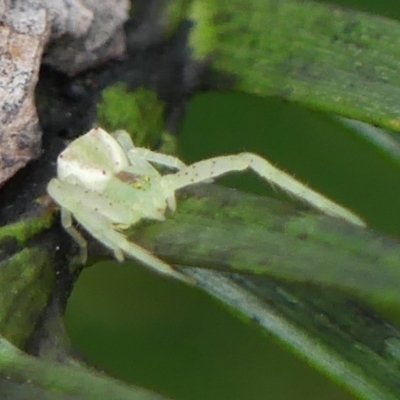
x,y
160,334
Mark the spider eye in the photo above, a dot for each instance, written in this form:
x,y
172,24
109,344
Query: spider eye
x,y
128,177
138,181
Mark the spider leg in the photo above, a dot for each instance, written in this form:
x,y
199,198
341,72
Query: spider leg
x,y
66,222
133,152
124,139
165,160
214,167
171,202
102,230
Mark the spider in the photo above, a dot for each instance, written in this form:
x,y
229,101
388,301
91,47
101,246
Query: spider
x,y
107,184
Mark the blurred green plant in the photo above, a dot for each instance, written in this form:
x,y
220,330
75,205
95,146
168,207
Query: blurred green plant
x,y
130,111
320,56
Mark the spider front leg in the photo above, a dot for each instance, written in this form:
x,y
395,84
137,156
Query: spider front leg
x,y
134,153
140,157
214,167
102,229
66,222
99,216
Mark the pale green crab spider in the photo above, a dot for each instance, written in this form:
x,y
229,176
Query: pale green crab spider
x,y
107,184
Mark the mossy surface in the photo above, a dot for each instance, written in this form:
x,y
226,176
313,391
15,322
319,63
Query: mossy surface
x,y
140,113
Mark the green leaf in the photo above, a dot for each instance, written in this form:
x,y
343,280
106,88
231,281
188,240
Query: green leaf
x,y
26,376
224,229
322,56
299,275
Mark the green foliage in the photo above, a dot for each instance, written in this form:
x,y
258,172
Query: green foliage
x,y
26,283
322,56
24,230
140,113
203,37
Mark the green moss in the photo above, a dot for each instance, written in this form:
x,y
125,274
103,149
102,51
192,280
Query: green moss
x,y
169,144
26,282
203,36
24,230
140,113
175,12
318,55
